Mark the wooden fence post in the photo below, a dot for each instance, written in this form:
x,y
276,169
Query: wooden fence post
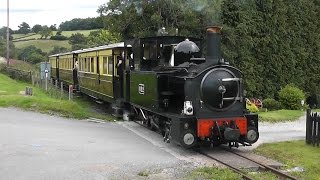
x,y
70,92
56,84
61,90
32,79
308,126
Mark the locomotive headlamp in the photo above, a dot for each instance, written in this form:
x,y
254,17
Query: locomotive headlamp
x,y
188,108
186,125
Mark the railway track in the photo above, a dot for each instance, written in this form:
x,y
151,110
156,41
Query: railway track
x,y
241,171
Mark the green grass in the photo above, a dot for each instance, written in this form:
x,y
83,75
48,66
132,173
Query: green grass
x,y
294,154
44,45
11,95
280,115
69,33
143,173
22,36
37,36
27,37
214,173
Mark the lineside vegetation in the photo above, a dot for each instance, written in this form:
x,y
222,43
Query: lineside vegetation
x,y
301,159
12,95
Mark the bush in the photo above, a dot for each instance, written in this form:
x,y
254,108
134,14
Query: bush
x,y
271,104
290,97
59,38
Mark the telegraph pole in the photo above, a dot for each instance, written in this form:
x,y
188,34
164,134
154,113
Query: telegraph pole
x,y
8,49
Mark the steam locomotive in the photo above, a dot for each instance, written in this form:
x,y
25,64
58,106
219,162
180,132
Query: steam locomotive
x,y
166,84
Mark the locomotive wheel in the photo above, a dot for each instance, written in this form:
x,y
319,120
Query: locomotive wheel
x,y
189,139
252,135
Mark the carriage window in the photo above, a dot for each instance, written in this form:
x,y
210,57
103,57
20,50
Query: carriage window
x,y
85,64
88,65
92,65
105,65
110,65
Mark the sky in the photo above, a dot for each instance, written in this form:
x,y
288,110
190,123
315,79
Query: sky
x,y
47,12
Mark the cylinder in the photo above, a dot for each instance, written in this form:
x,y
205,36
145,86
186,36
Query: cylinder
x,y
213,44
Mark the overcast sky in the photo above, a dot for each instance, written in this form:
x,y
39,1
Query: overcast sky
x,y
46,12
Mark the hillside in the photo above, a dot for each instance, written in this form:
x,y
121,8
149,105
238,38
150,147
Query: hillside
x,y
46,45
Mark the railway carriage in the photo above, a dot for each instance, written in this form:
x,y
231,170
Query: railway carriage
x,y
166,83
98,75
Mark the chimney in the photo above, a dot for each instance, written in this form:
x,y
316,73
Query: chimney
x,y
213,44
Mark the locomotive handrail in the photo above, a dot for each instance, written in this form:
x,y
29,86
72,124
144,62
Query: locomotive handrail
x,y
231,79
232,98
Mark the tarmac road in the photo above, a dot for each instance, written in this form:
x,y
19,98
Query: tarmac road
x,y
39,146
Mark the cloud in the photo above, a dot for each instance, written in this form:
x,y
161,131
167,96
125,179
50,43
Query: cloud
x,y
47,12
21,10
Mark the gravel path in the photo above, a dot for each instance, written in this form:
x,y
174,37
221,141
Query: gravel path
x,y
277,132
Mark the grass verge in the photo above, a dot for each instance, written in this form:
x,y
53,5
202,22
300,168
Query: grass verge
x,y
12,94
294,154
214,173
280,115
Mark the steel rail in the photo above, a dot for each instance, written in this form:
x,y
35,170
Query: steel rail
x,y
236,170
269,168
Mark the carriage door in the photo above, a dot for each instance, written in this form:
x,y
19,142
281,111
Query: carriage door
x,y
118,76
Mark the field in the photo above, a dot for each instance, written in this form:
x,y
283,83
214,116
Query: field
x,y
44,45
37,36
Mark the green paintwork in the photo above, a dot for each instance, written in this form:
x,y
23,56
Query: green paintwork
x,y
66,76
95,88
54,73
150,97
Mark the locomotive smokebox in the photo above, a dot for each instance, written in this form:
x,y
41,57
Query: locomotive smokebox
x,y
213,44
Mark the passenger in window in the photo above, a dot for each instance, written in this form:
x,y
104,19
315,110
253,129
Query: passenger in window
x,y
119,65
131,61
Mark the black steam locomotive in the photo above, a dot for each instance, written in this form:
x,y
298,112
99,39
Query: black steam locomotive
x,y
165,83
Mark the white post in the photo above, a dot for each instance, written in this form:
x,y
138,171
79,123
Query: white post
x,y
70,92
8,49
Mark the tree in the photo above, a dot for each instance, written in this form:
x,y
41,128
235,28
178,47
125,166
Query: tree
x,y
53,27
45,32
78,41
82,24
3,48
3,33
32,54
36,28
135,18
274,43
24,28
102,37
58,49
